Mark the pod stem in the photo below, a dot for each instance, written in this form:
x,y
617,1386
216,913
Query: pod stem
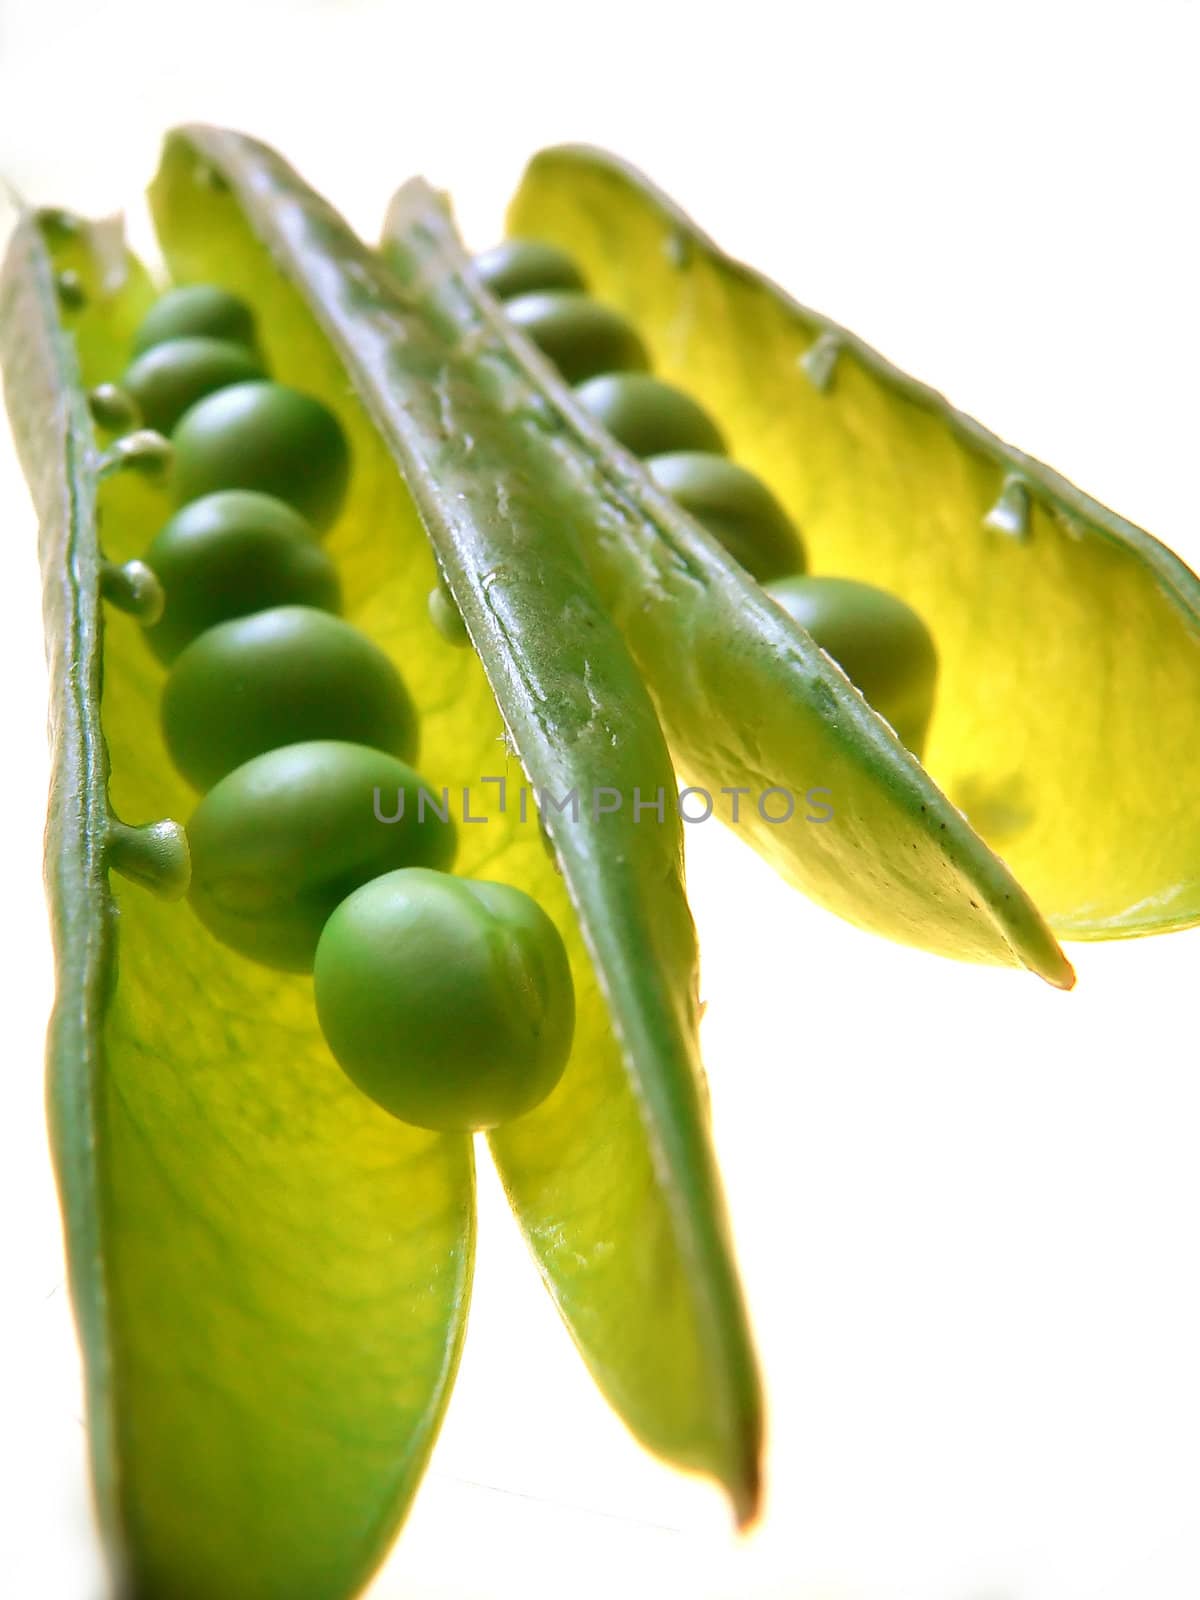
x,y
153,854
133,587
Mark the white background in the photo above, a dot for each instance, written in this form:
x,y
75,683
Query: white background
x,y
968,1207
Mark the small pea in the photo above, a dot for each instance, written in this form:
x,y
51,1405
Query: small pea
x,y
579,335
173,375
281,677
228,555
446,617
283,839
196,311
880,643
736,507
649,417
267,437
448,1001
525,266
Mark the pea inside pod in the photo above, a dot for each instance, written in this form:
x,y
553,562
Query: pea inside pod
x,y
446,617
392,968
582,337
277,677
526,266
649,417
172,375
269,1274
281,841
229,554
267,437
196,311
882,645
736,507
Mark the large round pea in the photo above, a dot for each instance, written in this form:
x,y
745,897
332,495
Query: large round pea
x,y
267,437
523,266
282,840
448,1001
581,336
196,311
281,677
169,377
228,555
880,643
736,507
649,417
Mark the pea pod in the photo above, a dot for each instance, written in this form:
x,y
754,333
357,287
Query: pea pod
x,y
270,1275
757,716
1067,723
612,1178
222,1180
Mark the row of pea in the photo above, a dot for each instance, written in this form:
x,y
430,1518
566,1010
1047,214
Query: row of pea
x,y
446,999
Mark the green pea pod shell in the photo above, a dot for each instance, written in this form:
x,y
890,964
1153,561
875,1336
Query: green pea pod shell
x,y
270,1275
613,1177
1067,722
757,716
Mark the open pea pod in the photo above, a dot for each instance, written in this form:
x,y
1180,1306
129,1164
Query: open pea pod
x,y
270,1275
1067,721
749,704
613,1177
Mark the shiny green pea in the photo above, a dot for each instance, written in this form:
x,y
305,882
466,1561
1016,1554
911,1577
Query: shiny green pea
x,y
266,437
283,839
448,1001
880,643
228,555
524,266
581,336
649,417
280,677
736,507
196,311
170,377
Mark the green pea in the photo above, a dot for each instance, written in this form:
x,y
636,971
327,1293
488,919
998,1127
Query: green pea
x,y
264,436
228,555
880,643
280,677
523,266
170,377
446,617
649,417
448,1001
736,507
196,311
283,839
581,336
